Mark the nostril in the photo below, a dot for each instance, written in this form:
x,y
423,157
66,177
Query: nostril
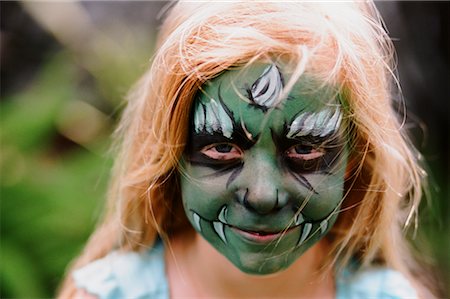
x,y
259,208
262,203
248,206
241,196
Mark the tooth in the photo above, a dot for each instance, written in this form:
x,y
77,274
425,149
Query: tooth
x,y
222,214
197,221
299,219
218,227
323,226
306,230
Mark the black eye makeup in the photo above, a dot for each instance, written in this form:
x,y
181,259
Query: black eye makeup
x,y
308,154
214,151
222,151
304,152
308,158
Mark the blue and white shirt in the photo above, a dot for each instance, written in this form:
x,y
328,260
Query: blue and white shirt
x,y
139,275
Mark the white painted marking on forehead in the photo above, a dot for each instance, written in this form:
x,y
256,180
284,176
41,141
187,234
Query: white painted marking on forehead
x,y
267,89
210,117
321,124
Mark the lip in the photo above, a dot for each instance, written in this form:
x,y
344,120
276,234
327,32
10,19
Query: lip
x,y
261,237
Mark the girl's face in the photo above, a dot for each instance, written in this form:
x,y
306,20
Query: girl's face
x,y
263,178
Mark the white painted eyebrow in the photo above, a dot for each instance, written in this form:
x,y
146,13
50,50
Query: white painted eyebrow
x,y
210,117
322,123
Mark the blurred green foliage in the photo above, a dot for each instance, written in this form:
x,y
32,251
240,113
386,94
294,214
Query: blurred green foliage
x,y
49,195
55,136
54,166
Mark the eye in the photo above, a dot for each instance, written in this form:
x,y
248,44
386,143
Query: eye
x,y
222,151
304,152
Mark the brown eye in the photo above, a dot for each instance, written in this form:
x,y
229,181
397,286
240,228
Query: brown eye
x,y
304,152
222,151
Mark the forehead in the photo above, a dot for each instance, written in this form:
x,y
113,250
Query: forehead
x,y
257,95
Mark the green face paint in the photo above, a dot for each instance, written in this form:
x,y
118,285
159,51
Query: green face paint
x,y
264,176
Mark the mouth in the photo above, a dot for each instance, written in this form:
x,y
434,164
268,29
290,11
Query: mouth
x,y
261,236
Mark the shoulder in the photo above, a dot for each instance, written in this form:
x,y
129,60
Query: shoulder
x,y
375,283
125,275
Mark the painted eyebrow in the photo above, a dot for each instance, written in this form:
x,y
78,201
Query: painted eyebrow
x,y
210,117
214,121
321,124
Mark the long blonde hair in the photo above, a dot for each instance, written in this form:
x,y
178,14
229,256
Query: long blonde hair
x,y
343,44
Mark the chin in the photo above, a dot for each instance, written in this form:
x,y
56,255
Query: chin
x,y
263,267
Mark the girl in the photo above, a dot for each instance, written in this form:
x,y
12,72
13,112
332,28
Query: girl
x,y
260,156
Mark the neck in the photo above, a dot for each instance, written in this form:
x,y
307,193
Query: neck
x,y
196,269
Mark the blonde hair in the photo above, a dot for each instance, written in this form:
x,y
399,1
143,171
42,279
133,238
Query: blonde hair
x,y
343,44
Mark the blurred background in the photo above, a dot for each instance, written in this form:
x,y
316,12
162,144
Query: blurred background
x,y
65,68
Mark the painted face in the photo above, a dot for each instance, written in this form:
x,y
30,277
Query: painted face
x,y
263,175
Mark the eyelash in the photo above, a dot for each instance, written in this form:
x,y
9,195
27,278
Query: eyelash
x,y
218,151
228,151
307,152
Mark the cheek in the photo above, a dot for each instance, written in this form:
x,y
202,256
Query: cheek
x,y
330,191
203,192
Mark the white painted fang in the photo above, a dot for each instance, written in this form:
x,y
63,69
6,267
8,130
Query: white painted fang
x,y
323,226
299,219
306,230
219,228
197,222
222,215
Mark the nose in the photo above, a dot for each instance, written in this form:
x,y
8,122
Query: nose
x,y
260,187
